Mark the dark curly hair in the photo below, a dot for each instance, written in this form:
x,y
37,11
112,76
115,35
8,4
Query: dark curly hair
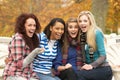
x,y
20,28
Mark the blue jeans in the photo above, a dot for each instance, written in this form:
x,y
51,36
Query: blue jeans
x,y
47,77
68,74
100,73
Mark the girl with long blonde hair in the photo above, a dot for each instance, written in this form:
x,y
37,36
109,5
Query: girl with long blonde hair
x,y
96,67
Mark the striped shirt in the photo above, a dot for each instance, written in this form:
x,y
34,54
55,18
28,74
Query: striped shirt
x,y
43,62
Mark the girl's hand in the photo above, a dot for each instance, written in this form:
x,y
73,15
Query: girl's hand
x,y
6,60
68,65
41,50
38,50
87,67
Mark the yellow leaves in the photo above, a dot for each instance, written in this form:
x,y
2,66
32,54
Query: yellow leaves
x,y
45,10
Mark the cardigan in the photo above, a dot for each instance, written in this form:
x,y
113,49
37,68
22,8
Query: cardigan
x,y
100,48
44,61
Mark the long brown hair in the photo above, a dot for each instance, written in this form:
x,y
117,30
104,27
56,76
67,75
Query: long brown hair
x,y
20,28
67,39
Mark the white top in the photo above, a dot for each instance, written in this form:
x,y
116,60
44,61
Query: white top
x,y
51,44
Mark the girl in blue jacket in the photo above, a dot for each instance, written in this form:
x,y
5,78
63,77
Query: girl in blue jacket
x,y
72,58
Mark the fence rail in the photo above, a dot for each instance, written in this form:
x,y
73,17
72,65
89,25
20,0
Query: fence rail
x,y
5,40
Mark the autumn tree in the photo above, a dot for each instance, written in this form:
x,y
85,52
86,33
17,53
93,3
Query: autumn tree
x,y
100,9
116,6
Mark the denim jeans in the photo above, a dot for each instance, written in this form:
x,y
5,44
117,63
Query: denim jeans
x,y
100,73
68,74
47,77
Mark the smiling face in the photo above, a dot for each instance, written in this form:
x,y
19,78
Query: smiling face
x,y
73,29
84,23
56,31
30,26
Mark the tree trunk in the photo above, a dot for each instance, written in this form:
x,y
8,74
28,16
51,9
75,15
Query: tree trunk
x,y
100,9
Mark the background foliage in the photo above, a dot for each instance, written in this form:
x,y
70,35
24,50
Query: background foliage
x,y
45,10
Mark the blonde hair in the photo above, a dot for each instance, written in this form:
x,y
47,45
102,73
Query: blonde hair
x,y
91,41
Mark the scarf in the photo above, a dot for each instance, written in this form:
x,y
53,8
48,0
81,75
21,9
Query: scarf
x,y
76,44
82,44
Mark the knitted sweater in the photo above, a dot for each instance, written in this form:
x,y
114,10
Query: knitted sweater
x,y
44,61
